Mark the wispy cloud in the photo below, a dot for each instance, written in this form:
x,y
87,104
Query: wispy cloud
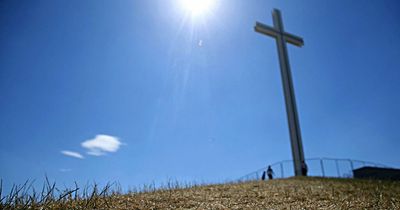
x,y
101,145
65,170
72,154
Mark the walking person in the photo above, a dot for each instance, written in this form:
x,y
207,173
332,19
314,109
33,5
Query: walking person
x,y
270,173
304,169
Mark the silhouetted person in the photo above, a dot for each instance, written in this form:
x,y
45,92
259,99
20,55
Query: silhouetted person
x,y
263,176
270,172
304,169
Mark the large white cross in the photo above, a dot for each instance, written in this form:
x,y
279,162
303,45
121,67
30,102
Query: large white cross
x,y
282,37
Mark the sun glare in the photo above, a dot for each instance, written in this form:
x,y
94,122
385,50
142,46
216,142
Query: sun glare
x,y
197,7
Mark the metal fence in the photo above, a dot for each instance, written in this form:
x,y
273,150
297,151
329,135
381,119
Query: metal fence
x,y
320,167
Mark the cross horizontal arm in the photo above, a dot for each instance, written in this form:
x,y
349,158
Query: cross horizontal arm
x,y
273,32
266,30
293,39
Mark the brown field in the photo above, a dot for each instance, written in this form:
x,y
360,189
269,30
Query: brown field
x,y
293,193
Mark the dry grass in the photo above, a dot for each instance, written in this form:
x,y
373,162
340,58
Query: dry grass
x,y
294,193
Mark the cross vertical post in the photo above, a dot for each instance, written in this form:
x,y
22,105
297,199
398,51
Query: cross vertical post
x,y
281,37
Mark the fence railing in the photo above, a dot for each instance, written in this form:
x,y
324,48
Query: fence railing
x,y
321,167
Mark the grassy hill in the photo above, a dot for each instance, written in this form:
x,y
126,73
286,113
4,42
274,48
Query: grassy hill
x,y
293,193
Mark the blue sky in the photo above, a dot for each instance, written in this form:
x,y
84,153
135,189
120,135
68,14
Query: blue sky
x,y
192,99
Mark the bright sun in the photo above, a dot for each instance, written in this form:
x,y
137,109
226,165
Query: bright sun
x,y
197,7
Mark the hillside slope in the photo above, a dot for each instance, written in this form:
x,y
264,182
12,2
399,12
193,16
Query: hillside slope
x,y
293,193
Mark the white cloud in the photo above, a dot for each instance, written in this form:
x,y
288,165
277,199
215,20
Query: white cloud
x,y
72,154
101,145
